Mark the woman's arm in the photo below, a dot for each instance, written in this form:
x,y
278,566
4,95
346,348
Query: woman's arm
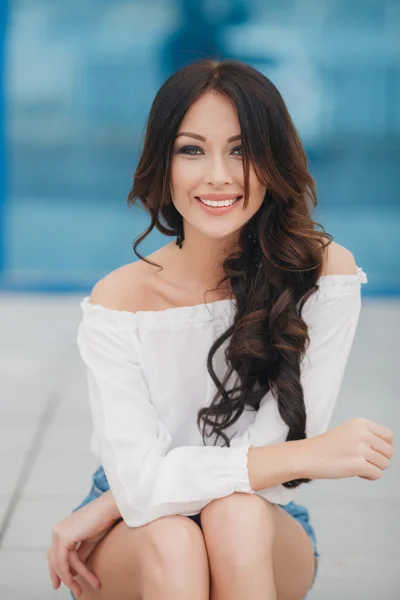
x,y
148,478
112,509
268,466
357,448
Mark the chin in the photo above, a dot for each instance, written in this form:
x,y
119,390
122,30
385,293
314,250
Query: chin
x,y
221,236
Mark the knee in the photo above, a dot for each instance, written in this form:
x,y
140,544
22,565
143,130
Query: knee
x,y
239,527
237,511
172,545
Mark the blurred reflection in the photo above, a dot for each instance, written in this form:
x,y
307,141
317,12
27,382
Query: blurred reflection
x,y
80,81
199,32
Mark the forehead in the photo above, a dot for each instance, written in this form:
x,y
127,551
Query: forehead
x,y
212,116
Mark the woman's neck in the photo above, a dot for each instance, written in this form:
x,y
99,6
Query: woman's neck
x,y
197,266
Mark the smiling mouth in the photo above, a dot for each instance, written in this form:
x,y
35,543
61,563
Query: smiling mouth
x,y
219,203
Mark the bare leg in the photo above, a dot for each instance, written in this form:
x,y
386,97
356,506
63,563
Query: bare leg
x,y
176,564
165,559
256,550
293,558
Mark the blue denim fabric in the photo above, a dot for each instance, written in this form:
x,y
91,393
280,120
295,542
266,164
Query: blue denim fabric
x,y
300,513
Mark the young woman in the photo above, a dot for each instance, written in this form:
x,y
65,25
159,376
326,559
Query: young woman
x,y
214,364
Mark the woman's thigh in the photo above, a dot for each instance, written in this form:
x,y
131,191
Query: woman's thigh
x,y
294,562
116,563
129,559
244,530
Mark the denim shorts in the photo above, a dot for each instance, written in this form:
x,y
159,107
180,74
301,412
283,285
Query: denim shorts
x,y
300,513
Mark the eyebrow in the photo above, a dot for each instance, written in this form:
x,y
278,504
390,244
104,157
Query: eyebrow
x,y
196,136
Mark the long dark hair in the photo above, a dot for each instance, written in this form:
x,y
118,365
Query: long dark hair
x,y
280,257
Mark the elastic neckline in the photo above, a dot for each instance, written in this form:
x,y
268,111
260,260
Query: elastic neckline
x,y
215,308
184,311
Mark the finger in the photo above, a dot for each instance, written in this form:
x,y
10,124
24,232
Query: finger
x,y
377,459
380,445
74,573
55,580
372,472
86,550
82,570
63,570
381,431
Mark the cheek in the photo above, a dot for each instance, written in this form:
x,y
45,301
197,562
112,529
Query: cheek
x,y
257,189
183,175
174,176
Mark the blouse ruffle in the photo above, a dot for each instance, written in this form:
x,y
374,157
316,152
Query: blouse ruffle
x,y
202,313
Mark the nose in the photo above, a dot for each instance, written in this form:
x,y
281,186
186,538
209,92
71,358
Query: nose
x,y
218,172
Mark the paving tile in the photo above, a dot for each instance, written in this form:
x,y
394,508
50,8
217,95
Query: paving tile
x,y
4,502
76,382
360,577
66,437
34,518
10,469
70,413
22,400
15,438
74,405
365,527
24,576
61,473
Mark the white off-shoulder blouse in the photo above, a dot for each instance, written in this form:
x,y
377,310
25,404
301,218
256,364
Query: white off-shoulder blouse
x,y
147,380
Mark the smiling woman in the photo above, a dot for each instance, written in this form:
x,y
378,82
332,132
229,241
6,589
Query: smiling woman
x,y
209,416
216,161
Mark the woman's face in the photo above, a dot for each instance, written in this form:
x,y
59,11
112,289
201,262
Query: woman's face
x,y
207,167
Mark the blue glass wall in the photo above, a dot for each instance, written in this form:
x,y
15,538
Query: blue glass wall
x,y
79,81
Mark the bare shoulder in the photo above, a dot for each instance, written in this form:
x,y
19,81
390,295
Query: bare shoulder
x,y
125,288
135,286
338,260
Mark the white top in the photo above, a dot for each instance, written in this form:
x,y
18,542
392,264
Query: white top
x,y
147,380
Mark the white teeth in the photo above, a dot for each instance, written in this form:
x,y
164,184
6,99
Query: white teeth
x,y
217,203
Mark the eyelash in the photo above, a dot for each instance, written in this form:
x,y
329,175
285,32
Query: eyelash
x,y
185,148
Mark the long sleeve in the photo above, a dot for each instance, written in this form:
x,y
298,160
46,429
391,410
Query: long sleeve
x,y
150,479
147,478
331,315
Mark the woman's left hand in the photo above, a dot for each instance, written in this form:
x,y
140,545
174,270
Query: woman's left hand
x,y
86,527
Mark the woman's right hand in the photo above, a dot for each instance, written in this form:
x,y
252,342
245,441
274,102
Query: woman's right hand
x,y
74,539
358,447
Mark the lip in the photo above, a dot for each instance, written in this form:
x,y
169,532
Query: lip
x,y
218,196
218,210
